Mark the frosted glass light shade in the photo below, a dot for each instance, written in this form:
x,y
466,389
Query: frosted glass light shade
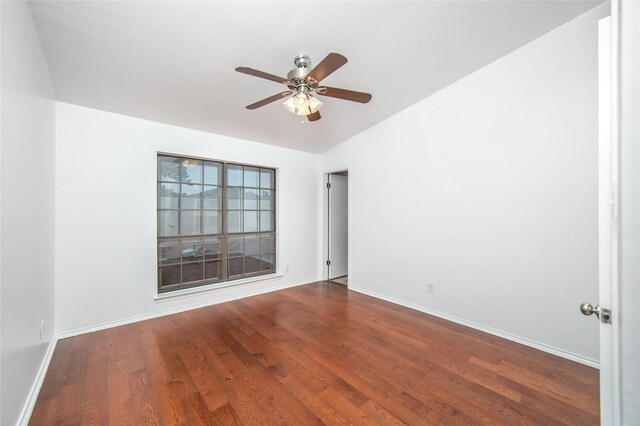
x,y
314,104
302,101
290,105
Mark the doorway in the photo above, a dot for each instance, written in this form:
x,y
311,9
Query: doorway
x,y
337,226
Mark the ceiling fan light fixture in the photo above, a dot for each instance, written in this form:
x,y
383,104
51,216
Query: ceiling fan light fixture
x,y
302,101
290,105
315,104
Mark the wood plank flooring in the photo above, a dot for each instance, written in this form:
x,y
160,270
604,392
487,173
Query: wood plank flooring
x,y
314,354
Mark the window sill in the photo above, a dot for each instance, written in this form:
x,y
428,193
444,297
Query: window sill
x,y
187,292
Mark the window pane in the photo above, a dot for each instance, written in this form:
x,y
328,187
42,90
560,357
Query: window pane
x,y
169,252
234,198
250,221
190,222
212,198
191,250
212,173
234,221
234,175
236,266
266,199
266,221
251,177
168,194
191,196
212,248
213,270
267,243
251,199
190,206
266,178
234,246
212,222
169,275
191,171
251,245
168,223
251,264
192,272
169,169
267,262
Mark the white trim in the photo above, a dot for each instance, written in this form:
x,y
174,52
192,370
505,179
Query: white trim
x,y
179,309
27,410
181,294
536,345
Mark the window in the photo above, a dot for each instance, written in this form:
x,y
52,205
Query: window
x,y
216,222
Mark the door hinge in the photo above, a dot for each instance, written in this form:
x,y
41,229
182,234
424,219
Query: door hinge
x,y
328,185
328,262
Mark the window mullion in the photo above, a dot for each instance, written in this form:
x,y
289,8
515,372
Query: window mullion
x,y
224,256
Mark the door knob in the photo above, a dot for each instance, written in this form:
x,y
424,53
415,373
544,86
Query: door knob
x,y
588,309
604,315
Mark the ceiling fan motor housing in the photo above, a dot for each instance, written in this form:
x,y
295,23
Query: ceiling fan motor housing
x,y
303,66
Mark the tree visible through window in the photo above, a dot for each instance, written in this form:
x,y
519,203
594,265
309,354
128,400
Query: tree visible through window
x,y
216,222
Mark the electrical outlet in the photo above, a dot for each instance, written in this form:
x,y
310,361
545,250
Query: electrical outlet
x,y
430,288
286,269
41,330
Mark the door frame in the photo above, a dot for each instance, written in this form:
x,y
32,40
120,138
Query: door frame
x,y
325,222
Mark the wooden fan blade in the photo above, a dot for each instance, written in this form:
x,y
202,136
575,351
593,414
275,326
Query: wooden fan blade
x,y
261,74
329,64
347,95
267,100
314,117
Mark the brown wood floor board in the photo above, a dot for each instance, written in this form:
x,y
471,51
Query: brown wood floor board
x,y
312,354
119,398
403,320
269,393
460,350
368,353
94,396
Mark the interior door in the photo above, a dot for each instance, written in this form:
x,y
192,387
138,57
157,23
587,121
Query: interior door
x,y
608,229
338,225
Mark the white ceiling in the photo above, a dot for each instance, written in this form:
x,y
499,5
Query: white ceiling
x,y
174,62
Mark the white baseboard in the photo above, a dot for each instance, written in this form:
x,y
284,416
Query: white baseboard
x,y
25,415
536,345
170,311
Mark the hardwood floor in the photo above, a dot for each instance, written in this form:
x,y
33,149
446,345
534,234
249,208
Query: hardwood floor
x,y
307,355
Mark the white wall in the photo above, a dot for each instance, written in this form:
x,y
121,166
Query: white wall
x,y
106,210
488,189
27,212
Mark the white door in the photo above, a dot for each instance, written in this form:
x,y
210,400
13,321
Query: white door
x,y
338,226
608,230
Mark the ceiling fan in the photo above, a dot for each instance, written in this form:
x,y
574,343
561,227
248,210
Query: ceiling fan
x,y
303,81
